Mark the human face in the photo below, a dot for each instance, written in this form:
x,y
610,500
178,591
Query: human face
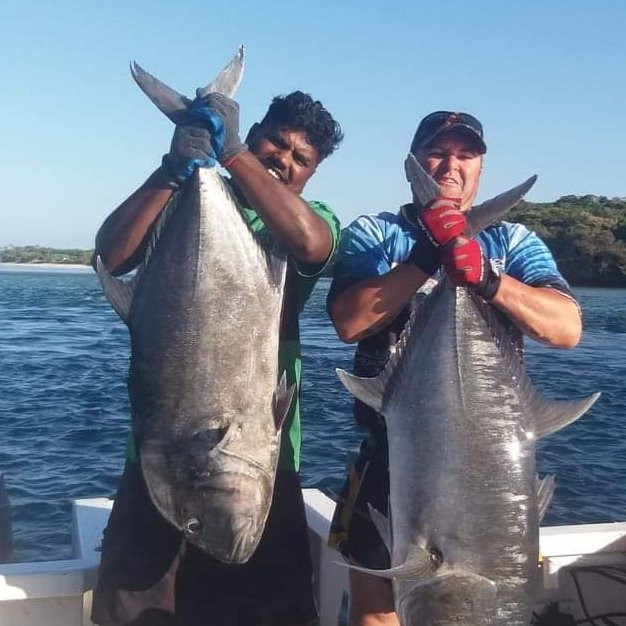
x,y
286,154
455,164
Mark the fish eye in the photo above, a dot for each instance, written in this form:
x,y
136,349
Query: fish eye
x,y
192,526
436,556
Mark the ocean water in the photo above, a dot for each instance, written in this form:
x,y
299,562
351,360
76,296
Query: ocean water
x,y
64,406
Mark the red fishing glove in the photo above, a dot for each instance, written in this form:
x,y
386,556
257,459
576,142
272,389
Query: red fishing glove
x,y
466,266
442,221
438,223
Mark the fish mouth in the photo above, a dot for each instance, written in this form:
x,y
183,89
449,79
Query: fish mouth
x,y
225,516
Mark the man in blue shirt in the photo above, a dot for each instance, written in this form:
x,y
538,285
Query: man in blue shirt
x,y
383,261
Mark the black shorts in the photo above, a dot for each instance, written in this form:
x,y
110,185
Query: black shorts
x,y
150,576
352,530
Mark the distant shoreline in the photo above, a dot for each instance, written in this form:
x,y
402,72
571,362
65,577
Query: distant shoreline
x,y
46,266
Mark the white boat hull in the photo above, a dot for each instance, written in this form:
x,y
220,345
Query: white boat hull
x,y
58,593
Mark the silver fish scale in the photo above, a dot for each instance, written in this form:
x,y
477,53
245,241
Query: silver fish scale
x,y
204,328
467,465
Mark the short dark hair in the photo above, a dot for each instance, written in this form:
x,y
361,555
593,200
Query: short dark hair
x,y
299,111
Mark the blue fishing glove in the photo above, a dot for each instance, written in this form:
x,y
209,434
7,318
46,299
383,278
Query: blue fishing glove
x,y
225,127
195,143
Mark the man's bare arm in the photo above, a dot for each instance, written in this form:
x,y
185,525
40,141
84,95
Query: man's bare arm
x,y
367,306
542,313
305,235
121,240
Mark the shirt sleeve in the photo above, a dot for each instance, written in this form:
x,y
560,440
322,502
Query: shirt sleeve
x,y
361,254
530,261
321,210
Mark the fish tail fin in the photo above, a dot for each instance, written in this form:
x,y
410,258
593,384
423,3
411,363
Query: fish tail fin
x,y
228,79
495,208
173,104
423,185
368,390
166,99
118,292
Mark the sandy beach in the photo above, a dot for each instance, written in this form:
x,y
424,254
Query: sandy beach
x,y
46,266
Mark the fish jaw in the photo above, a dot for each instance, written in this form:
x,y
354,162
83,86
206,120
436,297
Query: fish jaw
x,y
226,516
455,597
220,501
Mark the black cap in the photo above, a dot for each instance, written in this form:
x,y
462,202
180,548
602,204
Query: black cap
x,y
446,121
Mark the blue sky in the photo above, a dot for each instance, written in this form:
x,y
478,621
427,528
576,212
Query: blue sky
x,y
547,79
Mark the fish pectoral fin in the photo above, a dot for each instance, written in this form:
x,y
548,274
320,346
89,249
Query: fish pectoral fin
x,y
545,491
368,390
419,566
118,292
383,525
283,398
552,415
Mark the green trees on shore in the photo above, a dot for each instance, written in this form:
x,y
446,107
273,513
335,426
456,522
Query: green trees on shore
x,y
587,235
39,254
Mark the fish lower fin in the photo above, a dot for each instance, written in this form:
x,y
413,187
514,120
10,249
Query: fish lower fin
x,y
552,415
419,566
118,292
545,491
383,525
368,390
282,401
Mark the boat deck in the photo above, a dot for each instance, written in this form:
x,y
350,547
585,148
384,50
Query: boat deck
x,y
585,561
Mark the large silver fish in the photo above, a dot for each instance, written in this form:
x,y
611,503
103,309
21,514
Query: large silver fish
x,y
204,314
462,419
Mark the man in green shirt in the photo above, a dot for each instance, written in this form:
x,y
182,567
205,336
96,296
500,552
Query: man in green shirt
x,y
148,574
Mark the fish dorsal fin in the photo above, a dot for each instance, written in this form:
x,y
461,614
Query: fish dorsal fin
x,y
173,104
283,398
494,209
383,525
228,79
545,491
118,292
549,415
